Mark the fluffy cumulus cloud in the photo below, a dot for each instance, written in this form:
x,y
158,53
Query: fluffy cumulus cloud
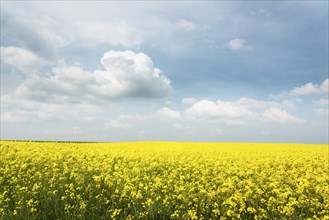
x,y
166,113
125,74
256,104
132,74
278,115
21,59
307,89
310,88
210,109
238,112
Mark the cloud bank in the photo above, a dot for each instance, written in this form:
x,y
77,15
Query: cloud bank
x,y
241,111
125,74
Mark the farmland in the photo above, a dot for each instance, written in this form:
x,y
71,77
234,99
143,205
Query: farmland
x,y
163,180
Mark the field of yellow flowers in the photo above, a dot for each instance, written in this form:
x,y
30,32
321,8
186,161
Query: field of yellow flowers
x,y
163,180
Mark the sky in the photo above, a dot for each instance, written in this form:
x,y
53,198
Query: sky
x,y
212,71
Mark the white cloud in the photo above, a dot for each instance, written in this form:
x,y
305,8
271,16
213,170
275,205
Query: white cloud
x,y
209,109
114,33
238,44
307,89
239,112
126,74
288,104
168,113
38,33
280,116
189,101
310,88
16,108
21,59
254,104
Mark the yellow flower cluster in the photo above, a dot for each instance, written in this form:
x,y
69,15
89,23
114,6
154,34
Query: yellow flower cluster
x,y
160,180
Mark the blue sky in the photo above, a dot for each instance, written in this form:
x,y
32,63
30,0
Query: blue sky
x,y
174,71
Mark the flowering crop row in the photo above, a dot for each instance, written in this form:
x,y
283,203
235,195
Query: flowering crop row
x,y
159,180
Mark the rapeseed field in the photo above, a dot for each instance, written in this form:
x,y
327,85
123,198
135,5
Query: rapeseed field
x,y
163,180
